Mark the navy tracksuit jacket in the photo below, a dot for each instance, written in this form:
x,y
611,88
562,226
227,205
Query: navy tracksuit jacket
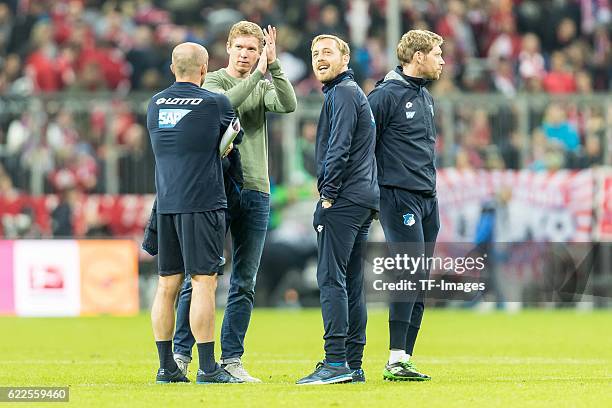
x,y
405,154
346,172
345,144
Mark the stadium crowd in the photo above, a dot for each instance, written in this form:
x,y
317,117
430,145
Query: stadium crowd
x,y
507,46
504,47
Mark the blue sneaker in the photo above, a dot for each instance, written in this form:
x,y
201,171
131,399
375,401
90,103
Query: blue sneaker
x,y
219,376
165,376
359,376
325,373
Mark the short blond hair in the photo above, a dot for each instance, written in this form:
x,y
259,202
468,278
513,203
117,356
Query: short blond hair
x,y
246,28
342,45
416,40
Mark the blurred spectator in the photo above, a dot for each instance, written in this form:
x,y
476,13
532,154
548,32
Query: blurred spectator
x,y
7,189
18,134
143,57
88,78
590,156
600,58
307,147
472,152
78,170
503,77
6,27
557,128
545,155
462,160
444,86
41,64
584,83
565,33
12,78
560,79
531,61
493,159
135,174
330,22
62,224
511,151
594,139
453,24
480,129
62,135
507,44
18,218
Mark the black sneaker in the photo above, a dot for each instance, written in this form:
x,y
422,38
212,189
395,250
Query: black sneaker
x,y
403,372
359,376
219,376
325,373
165,376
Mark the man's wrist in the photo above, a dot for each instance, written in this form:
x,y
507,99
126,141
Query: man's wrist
x,y
274,65
327,200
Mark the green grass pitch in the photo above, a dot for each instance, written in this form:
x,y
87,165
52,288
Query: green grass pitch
x,y
533,358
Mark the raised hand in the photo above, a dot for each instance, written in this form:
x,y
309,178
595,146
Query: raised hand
x,y
262,64
270,39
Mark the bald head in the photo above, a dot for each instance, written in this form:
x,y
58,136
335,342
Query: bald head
x,y
189,62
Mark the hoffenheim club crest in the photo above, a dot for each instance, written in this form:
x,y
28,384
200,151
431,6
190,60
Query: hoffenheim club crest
x,y
409,219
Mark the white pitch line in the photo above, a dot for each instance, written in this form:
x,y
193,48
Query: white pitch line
x,y
428,360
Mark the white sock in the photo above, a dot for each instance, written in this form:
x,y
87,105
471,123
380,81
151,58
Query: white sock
x,y
396,356
405,358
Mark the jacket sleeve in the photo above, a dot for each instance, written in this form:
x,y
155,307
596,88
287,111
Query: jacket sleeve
x,y
343,122
149,239
279,94
226,113
376,99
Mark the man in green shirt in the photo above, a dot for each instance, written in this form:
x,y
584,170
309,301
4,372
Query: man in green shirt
x,y
252,96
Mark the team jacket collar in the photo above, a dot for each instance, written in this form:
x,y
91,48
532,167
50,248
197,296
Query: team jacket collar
x,y
398,75
348,74
187,84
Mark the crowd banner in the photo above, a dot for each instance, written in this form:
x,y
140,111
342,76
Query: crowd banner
x,y
530,206
604,206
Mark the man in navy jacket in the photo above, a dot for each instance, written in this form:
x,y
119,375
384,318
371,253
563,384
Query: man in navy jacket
x,y
405,155
347,183
185,124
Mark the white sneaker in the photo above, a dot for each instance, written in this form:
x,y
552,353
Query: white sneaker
x,y
236,369
182,365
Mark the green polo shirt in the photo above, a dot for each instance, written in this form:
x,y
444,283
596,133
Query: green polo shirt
x,y
252,97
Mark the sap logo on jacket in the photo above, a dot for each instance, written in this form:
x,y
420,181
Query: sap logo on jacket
x,y
168,118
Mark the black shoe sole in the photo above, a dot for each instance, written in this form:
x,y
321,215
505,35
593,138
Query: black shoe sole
x,y
416,379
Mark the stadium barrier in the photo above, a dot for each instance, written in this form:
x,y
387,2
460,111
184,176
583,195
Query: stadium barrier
x,y
113,128
68,277
572,206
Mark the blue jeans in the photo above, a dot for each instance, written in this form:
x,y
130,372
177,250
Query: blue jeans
x,y
248,217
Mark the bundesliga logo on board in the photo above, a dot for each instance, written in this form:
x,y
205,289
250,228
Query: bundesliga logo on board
x,y
46,277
